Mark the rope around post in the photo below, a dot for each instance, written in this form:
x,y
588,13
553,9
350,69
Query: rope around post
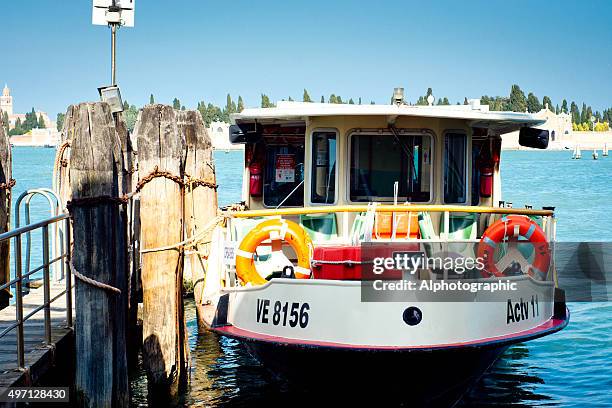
x,y
191,242
93,282
59,157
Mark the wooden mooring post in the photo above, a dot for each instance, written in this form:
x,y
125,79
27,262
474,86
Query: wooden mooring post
x,y
200,198
161,156
6,184
99,234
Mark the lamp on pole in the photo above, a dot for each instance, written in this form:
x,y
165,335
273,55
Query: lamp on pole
x,y
114,14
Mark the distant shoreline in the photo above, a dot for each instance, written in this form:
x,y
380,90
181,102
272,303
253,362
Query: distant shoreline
x,y
237,148
551,148
584,140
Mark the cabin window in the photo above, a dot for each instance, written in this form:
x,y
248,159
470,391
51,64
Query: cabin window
x,y
323,182
284,175
455,181
378,161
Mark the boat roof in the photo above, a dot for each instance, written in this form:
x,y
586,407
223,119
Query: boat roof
x,y
476,114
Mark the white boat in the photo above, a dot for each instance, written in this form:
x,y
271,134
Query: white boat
x,y
332,192
577,153
595,155
605,150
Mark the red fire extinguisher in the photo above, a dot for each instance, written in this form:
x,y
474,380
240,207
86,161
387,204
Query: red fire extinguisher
x,y
255,180
486,180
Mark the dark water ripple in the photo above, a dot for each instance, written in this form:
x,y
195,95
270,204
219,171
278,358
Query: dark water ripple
x,y
572,368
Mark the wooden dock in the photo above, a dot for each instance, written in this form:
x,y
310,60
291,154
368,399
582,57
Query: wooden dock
x,y
39,356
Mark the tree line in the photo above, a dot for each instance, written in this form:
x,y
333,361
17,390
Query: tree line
x,y
32,121
213,113
516,101
5,122
582,118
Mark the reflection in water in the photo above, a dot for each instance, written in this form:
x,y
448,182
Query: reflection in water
x,y
570,369
222,372
225,374
511,381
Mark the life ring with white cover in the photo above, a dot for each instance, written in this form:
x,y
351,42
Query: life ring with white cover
x,y
514,227
275,229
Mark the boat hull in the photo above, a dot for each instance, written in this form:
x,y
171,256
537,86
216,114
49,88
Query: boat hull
x,y
418,377
421,376
378,350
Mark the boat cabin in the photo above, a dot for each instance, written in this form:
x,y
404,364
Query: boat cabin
x,y
328,157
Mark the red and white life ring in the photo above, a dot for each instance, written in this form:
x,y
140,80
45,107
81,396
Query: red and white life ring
x,y
514,227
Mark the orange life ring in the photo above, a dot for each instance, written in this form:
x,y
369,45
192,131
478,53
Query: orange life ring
x,y
513,227
285,230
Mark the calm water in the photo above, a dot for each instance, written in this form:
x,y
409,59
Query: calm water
x,y
32,168
572,368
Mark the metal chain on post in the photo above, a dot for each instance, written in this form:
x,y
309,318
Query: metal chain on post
x,y
190,183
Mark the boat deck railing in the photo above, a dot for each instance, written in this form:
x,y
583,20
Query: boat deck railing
x,y
444,210
455,229
390,208
21,277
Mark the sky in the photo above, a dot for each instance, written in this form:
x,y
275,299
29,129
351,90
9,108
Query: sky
x,y
202,50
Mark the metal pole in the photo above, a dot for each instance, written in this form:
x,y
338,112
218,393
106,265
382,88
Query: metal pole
x,y
113,53
19,304
46,283
68,275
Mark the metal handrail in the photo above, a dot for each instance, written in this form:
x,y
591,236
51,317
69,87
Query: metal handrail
x,y
26,228
32,272
20,319
54,209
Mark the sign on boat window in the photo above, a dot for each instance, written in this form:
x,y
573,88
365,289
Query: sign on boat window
x,y
455,180
323,182
378,161
284,173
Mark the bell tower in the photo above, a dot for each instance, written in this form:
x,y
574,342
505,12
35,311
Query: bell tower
x,y
6,101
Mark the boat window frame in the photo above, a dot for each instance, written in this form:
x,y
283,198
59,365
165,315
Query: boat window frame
x,y
467,170
263,199
384,131
311,166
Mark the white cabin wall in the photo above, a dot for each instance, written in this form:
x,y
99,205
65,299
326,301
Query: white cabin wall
x,y
346,124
